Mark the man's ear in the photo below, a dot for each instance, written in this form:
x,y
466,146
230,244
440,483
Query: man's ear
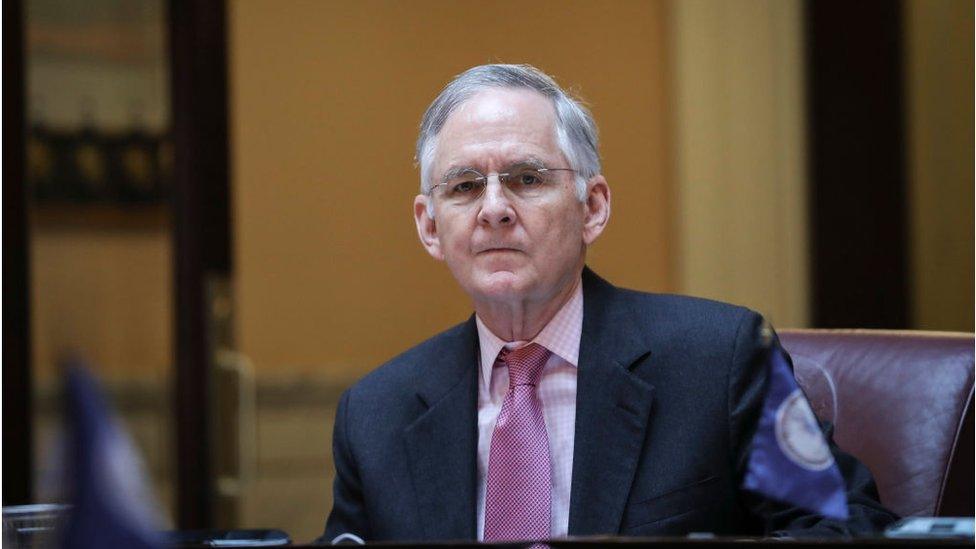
x,y
426,227
597,208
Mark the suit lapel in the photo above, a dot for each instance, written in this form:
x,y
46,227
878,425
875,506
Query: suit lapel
x,y
442,443
612,410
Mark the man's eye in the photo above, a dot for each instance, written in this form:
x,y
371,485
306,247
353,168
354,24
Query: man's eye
x,y
463,187
529,178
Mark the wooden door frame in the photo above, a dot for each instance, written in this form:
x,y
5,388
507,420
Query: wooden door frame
x,y
201,208
17,380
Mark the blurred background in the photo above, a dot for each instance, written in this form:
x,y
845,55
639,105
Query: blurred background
x,y
212,201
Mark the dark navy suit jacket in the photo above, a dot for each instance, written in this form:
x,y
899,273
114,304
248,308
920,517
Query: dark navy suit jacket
x,y
669,391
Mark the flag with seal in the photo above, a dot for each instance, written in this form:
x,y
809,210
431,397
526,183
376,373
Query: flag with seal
x,y
790,460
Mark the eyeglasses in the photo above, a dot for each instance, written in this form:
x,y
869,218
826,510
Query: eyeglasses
x,y
522,182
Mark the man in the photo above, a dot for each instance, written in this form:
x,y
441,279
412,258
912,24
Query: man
x,y
564,406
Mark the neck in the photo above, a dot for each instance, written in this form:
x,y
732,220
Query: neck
x,y
523,320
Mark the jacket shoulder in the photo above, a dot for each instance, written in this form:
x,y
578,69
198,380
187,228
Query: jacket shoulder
x,y
706,325
683,310
406,369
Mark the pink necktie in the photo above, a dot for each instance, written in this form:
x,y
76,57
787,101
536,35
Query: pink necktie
x,y
518,494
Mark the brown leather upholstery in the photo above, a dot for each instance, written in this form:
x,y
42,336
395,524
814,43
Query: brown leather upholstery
x,y
901,402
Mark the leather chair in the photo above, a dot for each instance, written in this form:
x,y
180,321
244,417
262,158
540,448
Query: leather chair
x,y
902,403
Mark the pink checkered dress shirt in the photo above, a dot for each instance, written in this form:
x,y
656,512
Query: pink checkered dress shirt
x,y
557,391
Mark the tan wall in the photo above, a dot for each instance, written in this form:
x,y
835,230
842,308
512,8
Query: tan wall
x,y
326,98
106,293
939,82
740,158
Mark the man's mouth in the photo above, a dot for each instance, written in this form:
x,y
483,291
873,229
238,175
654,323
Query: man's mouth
x,y
497,249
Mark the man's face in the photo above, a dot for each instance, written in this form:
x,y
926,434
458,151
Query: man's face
x,y
499,248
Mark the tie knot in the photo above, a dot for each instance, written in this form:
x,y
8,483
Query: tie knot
x,y
525,364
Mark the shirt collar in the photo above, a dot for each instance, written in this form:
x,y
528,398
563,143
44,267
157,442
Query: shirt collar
x,y
561,336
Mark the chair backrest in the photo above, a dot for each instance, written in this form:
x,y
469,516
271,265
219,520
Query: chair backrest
x,y
901,402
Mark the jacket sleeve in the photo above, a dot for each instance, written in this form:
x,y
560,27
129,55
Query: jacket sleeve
x,y
348,515
748,377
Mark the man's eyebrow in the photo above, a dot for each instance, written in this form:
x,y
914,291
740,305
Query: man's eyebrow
x,y
529,161
456,171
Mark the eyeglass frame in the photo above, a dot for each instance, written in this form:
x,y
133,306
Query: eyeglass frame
x,y
482,179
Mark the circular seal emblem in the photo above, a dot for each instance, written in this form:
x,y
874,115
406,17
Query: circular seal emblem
x,y
798,435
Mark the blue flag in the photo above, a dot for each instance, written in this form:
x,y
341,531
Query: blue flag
x,y
112,506
790,460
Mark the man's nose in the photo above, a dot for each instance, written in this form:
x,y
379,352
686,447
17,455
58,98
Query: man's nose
x,y
496,206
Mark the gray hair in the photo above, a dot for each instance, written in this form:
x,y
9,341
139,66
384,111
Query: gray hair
x,y
576,132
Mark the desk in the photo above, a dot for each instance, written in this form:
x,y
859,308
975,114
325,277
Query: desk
x,y
691,543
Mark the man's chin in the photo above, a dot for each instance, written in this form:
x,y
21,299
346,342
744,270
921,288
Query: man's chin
x,y
500,286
